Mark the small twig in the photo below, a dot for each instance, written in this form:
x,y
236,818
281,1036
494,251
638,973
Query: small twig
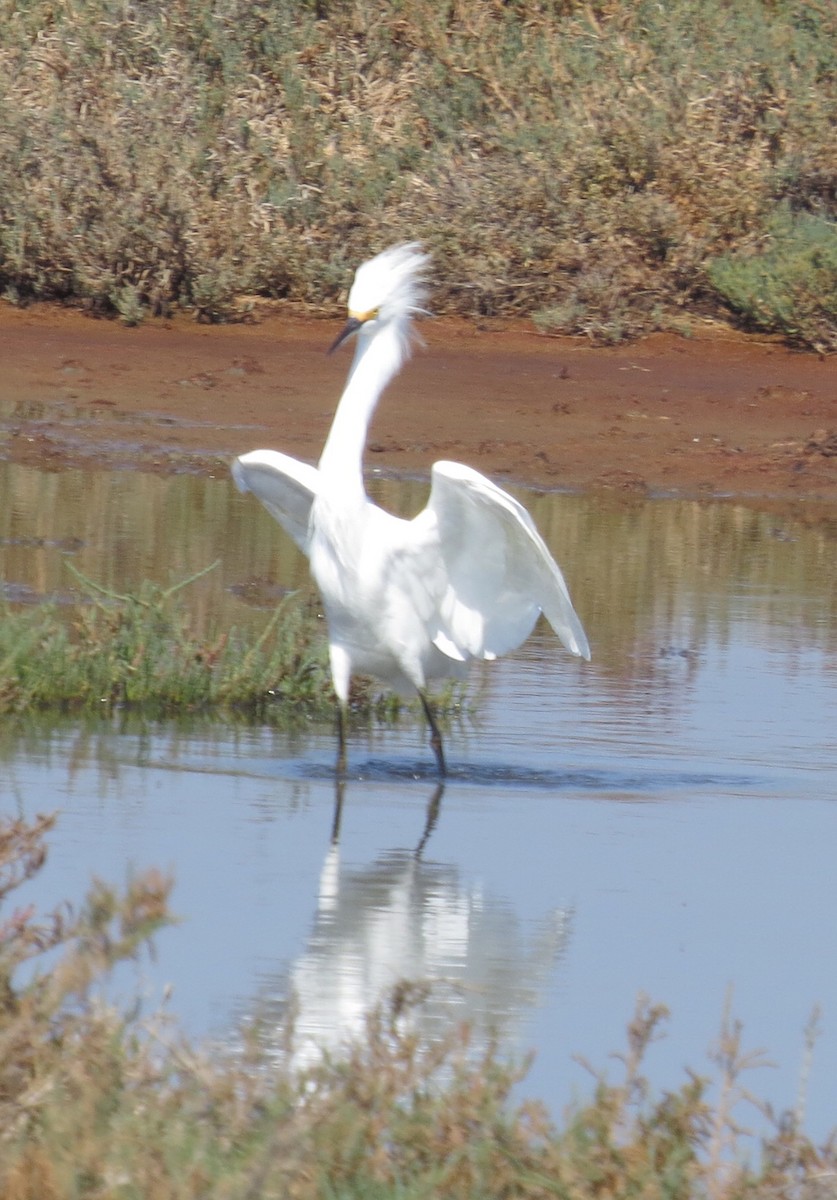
x,y
164,594
176,587
812,1033
263,636
92,586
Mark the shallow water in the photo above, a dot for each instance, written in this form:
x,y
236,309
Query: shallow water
x,y
661,820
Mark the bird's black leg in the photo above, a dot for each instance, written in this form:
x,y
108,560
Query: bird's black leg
x,y
435,735
341,741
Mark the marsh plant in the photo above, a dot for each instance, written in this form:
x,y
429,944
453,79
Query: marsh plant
x,y
609,167
100,1102
144,652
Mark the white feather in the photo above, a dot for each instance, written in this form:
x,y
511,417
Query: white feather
x,y
285,486
408,601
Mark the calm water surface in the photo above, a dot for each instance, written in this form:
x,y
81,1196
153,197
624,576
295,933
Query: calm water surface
x,y
661,820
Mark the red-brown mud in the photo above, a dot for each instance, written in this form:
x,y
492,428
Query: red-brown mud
x,y
714,415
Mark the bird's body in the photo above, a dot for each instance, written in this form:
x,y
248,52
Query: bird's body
x,y
407,601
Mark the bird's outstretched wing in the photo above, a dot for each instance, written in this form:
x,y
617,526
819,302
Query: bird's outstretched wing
x,y
500,572
285,486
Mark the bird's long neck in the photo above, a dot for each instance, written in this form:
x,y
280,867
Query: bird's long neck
x,y
377,359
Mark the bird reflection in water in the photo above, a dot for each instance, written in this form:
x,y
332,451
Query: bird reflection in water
x,y
411,925
432,816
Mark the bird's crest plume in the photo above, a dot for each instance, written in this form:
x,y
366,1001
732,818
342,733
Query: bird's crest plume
x,y
391,285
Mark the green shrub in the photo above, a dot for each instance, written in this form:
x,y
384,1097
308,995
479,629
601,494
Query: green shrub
x,y
789,285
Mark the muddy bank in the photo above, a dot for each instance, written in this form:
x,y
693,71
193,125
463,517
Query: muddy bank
x,y
715,415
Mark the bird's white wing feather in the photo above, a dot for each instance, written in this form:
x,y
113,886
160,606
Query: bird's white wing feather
x,y
500,572
285,486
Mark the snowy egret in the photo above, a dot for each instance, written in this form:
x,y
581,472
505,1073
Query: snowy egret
x,y
407,601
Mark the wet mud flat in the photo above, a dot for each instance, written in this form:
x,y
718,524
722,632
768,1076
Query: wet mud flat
x,y
713,415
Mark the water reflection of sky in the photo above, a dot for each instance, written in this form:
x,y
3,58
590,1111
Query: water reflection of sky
x,y
660,821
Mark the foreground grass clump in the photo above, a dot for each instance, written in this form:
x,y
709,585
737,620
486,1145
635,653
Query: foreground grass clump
x,y
143,651
584,163
98,1103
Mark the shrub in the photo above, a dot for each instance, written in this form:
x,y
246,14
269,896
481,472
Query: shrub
x,y
585,161
789,285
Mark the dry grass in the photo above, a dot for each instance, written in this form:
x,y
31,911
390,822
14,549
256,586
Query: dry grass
x,y
585,164
96,1103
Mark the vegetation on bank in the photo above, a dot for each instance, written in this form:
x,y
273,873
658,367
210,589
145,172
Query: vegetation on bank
x,y
608,168
97,1103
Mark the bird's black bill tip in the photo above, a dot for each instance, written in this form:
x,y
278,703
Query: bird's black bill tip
x,y
351,326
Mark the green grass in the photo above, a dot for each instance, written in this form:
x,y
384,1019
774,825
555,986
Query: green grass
x,y
143,652
97,1103
586,164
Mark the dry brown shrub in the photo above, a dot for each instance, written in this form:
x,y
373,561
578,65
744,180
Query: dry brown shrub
x,y
582,161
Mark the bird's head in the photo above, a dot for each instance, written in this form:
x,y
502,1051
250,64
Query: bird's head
x,y
388,288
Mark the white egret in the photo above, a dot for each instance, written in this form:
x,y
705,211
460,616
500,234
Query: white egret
x,y
407,601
